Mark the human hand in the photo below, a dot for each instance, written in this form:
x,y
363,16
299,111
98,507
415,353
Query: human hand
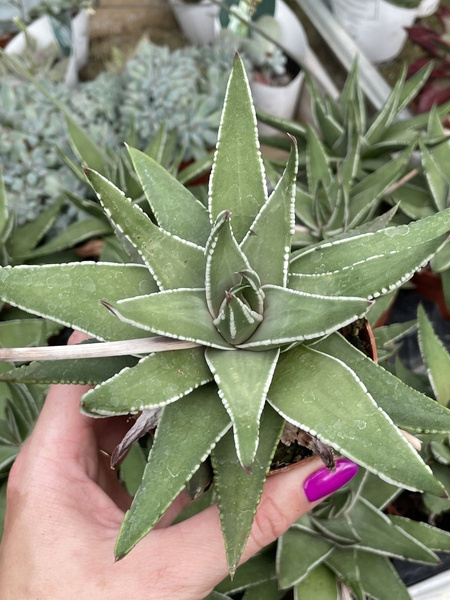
x,y
65,507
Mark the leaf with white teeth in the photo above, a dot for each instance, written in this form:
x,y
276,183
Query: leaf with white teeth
x,y
236,321
172,375
173,262
369,264
243,379
181,314
291,316
324,396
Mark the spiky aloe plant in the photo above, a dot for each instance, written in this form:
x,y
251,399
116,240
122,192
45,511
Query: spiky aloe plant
x,y
251,328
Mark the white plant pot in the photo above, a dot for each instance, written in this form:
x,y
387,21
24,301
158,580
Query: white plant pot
x,y
196,20
377,26
278,101
435,588
42,32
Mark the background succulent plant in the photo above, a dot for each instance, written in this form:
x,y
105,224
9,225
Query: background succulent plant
x,y
184,88
257,331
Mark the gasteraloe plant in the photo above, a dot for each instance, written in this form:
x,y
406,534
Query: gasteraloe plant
x,y
252,331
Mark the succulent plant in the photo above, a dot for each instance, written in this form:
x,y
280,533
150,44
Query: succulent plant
x,y
344,544
437,47
252,331
184,88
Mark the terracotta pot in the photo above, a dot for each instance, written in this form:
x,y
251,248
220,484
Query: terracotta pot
x,y
429,285
4,39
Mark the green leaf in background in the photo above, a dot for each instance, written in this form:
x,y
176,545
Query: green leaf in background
x,y
70,294
432,537
25,238
243,379
436,358
352,423
132,469
316,161
237,181
128,391
439,184
320,584
29,332
298,553
173,262
202,415
264,591
408,408
389,334
87,151
184,215
239,492
4,213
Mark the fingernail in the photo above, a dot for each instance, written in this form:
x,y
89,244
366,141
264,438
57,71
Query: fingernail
x,y
324,482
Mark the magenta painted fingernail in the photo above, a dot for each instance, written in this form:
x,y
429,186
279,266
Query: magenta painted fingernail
x,y
324,482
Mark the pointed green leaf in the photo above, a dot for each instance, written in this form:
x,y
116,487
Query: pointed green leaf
x,y
379,535
243,379
89,371
291,316
172,374
239,492
70,294
432,537
26,332
316,161
23,239
352,423
441,260
91,207
439,184
392,333
413,200
237,180
369,190
379,578
298,553
224,260
273,228
380,307
320,584
85,148
436,358
74,234
175,208
173,262
408,408
440,452
202,415
236,321
413,85
182,314
369,264
387,114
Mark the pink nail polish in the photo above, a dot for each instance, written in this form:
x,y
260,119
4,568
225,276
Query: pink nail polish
x,y
324,482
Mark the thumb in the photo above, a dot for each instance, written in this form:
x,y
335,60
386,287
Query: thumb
x,y
286,497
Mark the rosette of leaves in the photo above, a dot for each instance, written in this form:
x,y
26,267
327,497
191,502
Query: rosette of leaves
x,y
251,328
184,88
345,544
346,123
